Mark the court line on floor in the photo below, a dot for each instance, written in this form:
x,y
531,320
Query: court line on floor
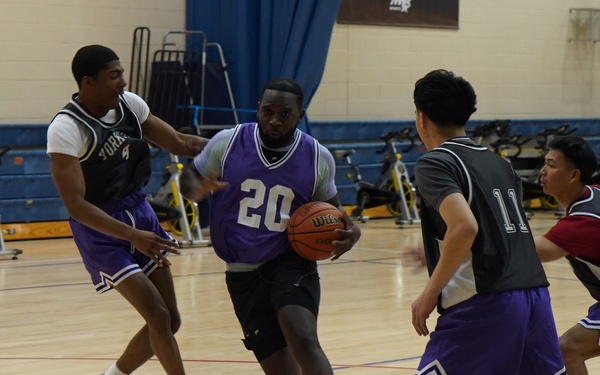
x,y
335,367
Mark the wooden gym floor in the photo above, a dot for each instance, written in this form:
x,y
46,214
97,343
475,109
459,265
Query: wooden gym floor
x,y
54,323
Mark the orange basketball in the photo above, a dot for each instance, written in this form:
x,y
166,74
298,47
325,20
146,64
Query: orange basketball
x,y
311,230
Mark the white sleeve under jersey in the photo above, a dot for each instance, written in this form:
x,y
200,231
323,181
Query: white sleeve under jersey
x,y
326,188
67,135
209,163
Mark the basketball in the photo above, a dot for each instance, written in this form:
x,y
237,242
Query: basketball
x,y
311,230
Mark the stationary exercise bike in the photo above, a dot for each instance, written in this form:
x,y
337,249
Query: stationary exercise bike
x,y
499,128
392,188
509,146
181,213
529,168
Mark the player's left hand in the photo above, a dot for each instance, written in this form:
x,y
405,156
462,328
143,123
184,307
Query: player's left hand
x,y
195,144
349,237
421,309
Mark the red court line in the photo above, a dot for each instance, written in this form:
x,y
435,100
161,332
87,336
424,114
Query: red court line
x,y
191,360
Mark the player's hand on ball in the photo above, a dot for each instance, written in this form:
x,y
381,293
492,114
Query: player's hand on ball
x,y
312,230
349,237
318,231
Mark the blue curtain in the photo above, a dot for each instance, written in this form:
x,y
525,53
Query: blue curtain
x,y
263,39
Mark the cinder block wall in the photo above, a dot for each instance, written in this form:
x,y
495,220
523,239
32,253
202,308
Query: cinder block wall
x,y
516,54
38,40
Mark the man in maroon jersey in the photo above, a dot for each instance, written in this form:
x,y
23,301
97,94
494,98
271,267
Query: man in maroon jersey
x,y
570,163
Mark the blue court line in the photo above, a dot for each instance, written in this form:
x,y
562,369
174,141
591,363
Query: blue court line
x,y
374,364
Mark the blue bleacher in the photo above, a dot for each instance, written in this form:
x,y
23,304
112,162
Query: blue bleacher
x,y
27,193
362,136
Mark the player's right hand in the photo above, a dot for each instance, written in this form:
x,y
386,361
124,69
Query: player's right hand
x,y
153,246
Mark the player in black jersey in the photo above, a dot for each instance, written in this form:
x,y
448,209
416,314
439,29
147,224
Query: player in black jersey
x,y
485,276
100,163
566,175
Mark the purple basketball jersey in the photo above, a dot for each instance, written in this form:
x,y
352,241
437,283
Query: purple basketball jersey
x,y
249,218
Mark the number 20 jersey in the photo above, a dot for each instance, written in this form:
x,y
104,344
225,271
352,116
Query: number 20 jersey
x,y
249,218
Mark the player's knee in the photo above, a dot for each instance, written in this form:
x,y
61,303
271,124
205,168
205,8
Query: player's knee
x,y
570,346
159,318
304,343
175,322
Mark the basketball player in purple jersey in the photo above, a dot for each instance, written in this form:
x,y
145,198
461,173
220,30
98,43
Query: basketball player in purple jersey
x,y
567,172
485,276
262,172
100,162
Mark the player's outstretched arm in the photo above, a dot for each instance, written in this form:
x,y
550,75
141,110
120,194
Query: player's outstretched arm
x,y
547,250
196,187
164,135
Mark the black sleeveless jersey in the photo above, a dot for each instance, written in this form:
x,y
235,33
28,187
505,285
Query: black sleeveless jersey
x,y
503,256
587,270
117,162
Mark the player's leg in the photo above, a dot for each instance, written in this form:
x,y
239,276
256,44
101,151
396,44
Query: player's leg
x,y
138,350
581,342
281,362
296,293
299,326
262,334
146,298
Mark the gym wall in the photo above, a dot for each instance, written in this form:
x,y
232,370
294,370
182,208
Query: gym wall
x,y
515,53
38,40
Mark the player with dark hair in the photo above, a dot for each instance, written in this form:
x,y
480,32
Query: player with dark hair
x,y
264,172
100,162
90,60
566,175
485,276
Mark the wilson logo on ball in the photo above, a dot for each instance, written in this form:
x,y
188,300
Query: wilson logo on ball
x,y
329,219
312,230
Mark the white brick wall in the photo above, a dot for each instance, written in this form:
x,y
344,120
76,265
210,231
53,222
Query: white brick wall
x,y
39,38
514,52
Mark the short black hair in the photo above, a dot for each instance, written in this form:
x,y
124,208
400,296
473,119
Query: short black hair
x,y
578,152
286,85
447,99
90,60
